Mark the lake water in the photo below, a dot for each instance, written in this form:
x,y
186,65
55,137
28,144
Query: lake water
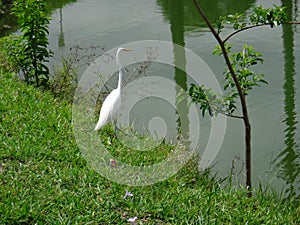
x,y
274,108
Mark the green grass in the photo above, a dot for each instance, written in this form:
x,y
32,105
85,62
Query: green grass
x,y
45,180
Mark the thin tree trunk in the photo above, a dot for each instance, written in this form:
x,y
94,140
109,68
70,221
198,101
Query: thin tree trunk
x,y
241,96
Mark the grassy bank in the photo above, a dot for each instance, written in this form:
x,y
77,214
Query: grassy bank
x,y
45,180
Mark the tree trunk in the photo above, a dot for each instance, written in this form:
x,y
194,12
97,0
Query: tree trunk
x,y
241,96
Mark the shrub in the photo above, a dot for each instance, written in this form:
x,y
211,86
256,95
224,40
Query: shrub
x,y
29,51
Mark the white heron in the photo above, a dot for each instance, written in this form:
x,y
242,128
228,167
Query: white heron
x,y
112,102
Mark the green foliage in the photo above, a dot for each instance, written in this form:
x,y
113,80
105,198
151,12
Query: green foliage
x,y
260,16
29,51
211,102
201,96
5,65
241,62
237,21
45,180
64,82
273,17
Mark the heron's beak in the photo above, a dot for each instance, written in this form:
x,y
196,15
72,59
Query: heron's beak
x,y
123,67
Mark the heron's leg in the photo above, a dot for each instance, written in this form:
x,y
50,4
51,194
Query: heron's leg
x,y
116,128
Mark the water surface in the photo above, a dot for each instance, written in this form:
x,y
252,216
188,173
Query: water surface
x,y
274,108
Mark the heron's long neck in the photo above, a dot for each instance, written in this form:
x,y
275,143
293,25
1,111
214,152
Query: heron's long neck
x,y
120,79
119,64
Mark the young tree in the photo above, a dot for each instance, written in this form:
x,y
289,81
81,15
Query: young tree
x,y
239,78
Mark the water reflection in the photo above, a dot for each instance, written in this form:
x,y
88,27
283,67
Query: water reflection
x,y
61,38
8,23
182,17
176,13
288,159
58,4
213,8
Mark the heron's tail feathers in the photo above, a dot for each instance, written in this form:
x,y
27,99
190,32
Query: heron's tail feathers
x,y
99,125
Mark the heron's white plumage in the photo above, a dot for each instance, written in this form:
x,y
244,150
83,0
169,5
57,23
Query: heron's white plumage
x,y
112,102
109,108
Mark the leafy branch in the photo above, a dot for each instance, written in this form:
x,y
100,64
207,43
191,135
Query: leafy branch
x,y
259,17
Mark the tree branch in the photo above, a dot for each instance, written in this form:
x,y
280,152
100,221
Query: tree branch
x,y
230,115
254,26
245,28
